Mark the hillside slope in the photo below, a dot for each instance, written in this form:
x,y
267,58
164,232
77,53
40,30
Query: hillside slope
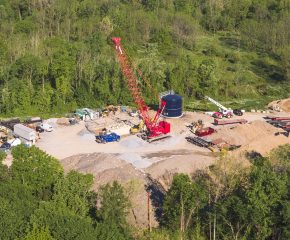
x,y
57,55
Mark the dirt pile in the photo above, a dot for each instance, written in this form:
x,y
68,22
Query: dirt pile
x,y
258,135
106,168
63,121
184,162
278,105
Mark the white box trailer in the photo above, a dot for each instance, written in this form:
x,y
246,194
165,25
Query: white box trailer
x,y
26,134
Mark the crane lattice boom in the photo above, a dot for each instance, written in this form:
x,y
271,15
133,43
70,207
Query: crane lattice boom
x,y
216,103
155,129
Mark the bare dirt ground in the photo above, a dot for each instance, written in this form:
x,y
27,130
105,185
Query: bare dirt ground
x,y
132,160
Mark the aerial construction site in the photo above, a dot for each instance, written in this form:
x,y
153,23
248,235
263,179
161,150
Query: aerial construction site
x,y
136,144
145,119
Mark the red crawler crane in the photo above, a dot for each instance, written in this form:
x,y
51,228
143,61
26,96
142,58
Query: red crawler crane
x,y
155,129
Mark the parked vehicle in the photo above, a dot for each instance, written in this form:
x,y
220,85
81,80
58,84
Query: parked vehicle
x,y
5,147
238,112
14,142
220,115
46,127
39,129
111,137
73,121
223,111
25,134
204,131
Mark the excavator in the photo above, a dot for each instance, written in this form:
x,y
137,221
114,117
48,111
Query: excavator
x,y
155,128
194,126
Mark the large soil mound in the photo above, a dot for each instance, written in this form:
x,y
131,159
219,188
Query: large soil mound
x,y
258,135
106,168
283,104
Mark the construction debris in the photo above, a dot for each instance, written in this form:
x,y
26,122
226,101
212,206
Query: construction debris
x,y
63,121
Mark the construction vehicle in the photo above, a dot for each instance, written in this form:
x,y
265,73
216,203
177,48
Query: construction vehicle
x,y
137,128
204,132
155,129
231,121
223,111
194,126
108,137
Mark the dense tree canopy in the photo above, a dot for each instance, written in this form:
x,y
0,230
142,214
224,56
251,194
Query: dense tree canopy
x,y
39,202
251,205
225,201
57,55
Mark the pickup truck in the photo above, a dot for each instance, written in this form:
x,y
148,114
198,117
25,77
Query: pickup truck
x,y
45,127
110,137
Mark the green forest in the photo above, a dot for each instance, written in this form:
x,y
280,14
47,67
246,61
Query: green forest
x,y
56,55
226,201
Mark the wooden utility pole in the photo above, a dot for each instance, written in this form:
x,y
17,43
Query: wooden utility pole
x,y
149,211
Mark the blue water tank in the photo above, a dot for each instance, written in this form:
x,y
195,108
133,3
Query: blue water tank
x,y
173,108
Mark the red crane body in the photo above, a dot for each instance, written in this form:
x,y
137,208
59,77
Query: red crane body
x,y
155,129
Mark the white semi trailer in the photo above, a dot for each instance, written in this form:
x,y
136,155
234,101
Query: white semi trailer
x,y
26,134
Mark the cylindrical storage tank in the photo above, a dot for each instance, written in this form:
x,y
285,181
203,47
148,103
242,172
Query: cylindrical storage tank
x,y
173,108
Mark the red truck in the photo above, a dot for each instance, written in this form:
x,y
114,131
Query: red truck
x,y
230,121
204,131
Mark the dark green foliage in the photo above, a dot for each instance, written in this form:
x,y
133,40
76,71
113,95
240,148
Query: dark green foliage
x,y
72,192
62,222
264,195
183,201
38,234
35,169
56,56
113,210
253,207
38,202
